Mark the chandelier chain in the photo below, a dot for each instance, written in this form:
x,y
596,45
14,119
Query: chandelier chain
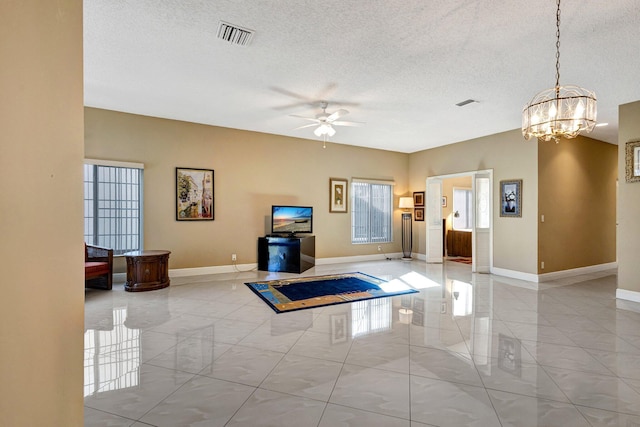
x,y
558,45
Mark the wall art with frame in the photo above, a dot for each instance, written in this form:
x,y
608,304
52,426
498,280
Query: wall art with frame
x,y
511,198
632,161
338,195
418,198
418,214
194,194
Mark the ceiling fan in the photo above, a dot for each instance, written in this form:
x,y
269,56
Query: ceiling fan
x,y
325,122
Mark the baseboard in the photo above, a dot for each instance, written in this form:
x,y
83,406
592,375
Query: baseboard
x,y
546,277
626,295
357,258
199,271
577,271
514,274
216,269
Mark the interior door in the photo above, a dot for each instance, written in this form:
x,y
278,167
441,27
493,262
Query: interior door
x,y
434,218
481,247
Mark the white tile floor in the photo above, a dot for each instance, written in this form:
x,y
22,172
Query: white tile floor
x,y
478,350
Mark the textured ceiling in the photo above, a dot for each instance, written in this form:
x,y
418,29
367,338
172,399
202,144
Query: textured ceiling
x,y
398,66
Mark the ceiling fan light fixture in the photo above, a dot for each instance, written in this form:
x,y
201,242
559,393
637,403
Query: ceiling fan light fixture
x,y
324,129
562,111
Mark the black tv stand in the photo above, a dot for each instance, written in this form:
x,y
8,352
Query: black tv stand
x,y
293,254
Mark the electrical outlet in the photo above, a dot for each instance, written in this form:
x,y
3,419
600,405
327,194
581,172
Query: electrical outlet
x,y
233,257
379,248
542,265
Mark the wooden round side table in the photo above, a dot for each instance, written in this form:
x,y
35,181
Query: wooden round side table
x,y
147,270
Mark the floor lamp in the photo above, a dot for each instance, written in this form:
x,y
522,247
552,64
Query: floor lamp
x,y
406,203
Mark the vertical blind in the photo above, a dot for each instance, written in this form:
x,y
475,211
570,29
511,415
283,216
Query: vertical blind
x,y
113,207
462,205
371,212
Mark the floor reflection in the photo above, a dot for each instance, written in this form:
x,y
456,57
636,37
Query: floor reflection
x,y
467,349
111,356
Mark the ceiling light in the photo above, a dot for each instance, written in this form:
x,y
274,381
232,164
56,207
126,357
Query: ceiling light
x,y
562,111
324,129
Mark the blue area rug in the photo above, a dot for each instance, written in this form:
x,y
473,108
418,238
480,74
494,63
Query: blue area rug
x,y
308,292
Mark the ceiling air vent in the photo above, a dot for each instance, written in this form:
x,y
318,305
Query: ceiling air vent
x,y
234,34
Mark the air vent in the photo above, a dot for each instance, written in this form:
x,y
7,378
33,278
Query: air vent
x,y
463,103
234,34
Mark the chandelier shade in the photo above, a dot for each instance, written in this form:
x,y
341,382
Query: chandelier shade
x,y
563,111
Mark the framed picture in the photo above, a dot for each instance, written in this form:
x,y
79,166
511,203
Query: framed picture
x,y
419,214
632,161
511,198
194,194
418,198
444,201
338,195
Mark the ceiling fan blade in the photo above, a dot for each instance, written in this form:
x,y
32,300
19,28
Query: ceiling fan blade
x,y
336,115
313,119
306,126
343,123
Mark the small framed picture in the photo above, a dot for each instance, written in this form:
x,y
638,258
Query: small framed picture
x,y
194,194
338,197
511,198
418,198
632,161
418,214
444,201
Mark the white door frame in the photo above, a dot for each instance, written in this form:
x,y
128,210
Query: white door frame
x,y
433,218
430,220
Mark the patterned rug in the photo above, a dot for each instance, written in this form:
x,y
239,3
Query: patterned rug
x,y
308,292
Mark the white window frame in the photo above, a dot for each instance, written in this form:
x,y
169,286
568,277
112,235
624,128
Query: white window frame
x,y
361,215
469,208
113,210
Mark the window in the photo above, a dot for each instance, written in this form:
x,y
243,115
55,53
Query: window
x,y
371,211
462,209
113,205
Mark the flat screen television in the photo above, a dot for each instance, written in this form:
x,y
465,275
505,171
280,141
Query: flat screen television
x,y
291,219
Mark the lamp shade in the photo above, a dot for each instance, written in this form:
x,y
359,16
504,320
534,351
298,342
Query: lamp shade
x,y
406,203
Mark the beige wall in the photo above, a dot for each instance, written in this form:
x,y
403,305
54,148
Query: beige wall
x,y
628,240
252,172
577,196
41,151
510,157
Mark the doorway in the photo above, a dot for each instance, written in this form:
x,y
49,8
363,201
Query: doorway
x,y
474,224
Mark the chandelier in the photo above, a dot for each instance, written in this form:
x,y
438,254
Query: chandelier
x,y
562,111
